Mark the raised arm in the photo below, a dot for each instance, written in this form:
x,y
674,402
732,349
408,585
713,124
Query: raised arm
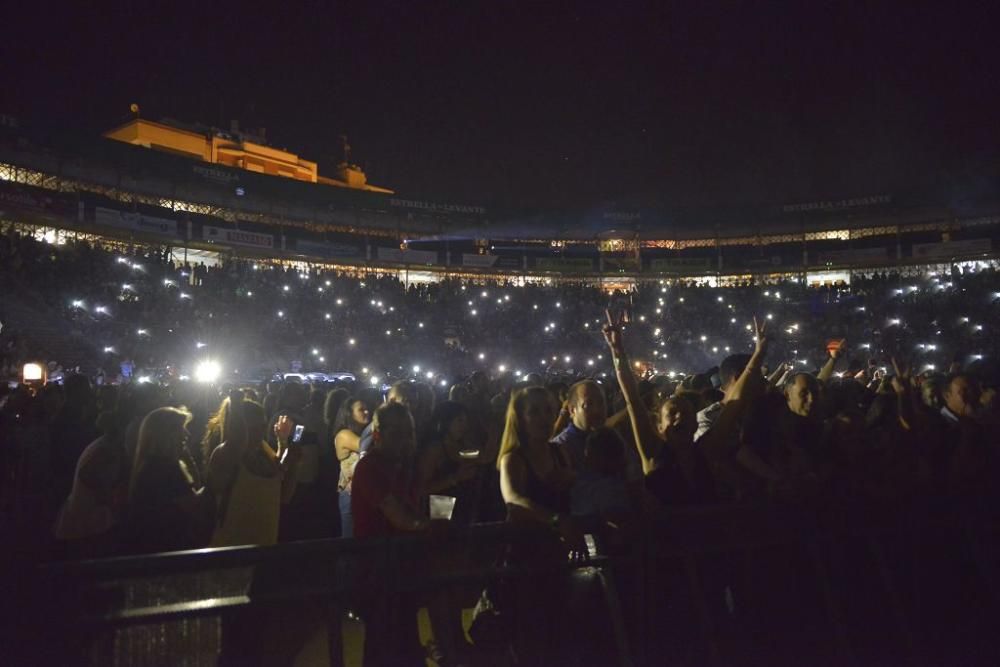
x,y
646,441
774,378
826,372
902,385
717,440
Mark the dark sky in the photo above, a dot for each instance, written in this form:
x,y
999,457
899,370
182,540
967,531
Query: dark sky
x,y
551,104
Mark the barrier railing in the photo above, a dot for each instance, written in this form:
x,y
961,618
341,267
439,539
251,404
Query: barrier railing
x,y
714,585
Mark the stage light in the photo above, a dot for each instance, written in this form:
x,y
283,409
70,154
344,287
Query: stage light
x,y
32,372
207,371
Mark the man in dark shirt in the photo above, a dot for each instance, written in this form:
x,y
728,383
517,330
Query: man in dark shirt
x,y
587,411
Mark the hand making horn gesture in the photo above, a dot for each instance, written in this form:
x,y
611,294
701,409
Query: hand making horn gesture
x,y
613,333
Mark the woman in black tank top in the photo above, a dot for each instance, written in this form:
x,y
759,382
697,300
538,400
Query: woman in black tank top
x,y
535,482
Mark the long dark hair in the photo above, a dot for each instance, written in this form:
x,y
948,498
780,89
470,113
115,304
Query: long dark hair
x,y
331,410
444,414
344,417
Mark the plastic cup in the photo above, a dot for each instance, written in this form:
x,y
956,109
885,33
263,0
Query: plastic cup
x,y
442,507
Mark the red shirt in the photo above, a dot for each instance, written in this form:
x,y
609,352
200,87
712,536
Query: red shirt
x,y
375,478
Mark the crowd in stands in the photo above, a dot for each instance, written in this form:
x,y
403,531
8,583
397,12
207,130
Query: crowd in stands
x,y
608,407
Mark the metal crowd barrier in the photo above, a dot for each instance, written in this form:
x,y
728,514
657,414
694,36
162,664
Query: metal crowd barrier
x,y
721,585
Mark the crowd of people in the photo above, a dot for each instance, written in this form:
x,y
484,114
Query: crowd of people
x,y
141,313
543,405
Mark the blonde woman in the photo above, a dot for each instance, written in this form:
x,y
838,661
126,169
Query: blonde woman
x,y
251,481
167,511
535,477
535,480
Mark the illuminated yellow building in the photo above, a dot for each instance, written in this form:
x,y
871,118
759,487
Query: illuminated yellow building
x,y
235,149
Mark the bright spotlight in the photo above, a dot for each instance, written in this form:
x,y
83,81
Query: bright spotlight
x,y
207,371
32,373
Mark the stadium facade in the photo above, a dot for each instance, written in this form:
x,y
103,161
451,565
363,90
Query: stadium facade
x,y
211,193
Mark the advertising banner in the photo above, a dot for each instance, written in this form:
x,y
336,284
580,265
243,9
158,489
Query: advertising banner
x,y
26,198
474,259
852,256
328,249
434,207
509,262
681,264
620,264
237,237
135,222
773,260
952,249
565,264
406,256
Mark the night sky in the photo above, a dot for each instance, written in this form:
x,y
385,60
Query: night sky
x,y
563,105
